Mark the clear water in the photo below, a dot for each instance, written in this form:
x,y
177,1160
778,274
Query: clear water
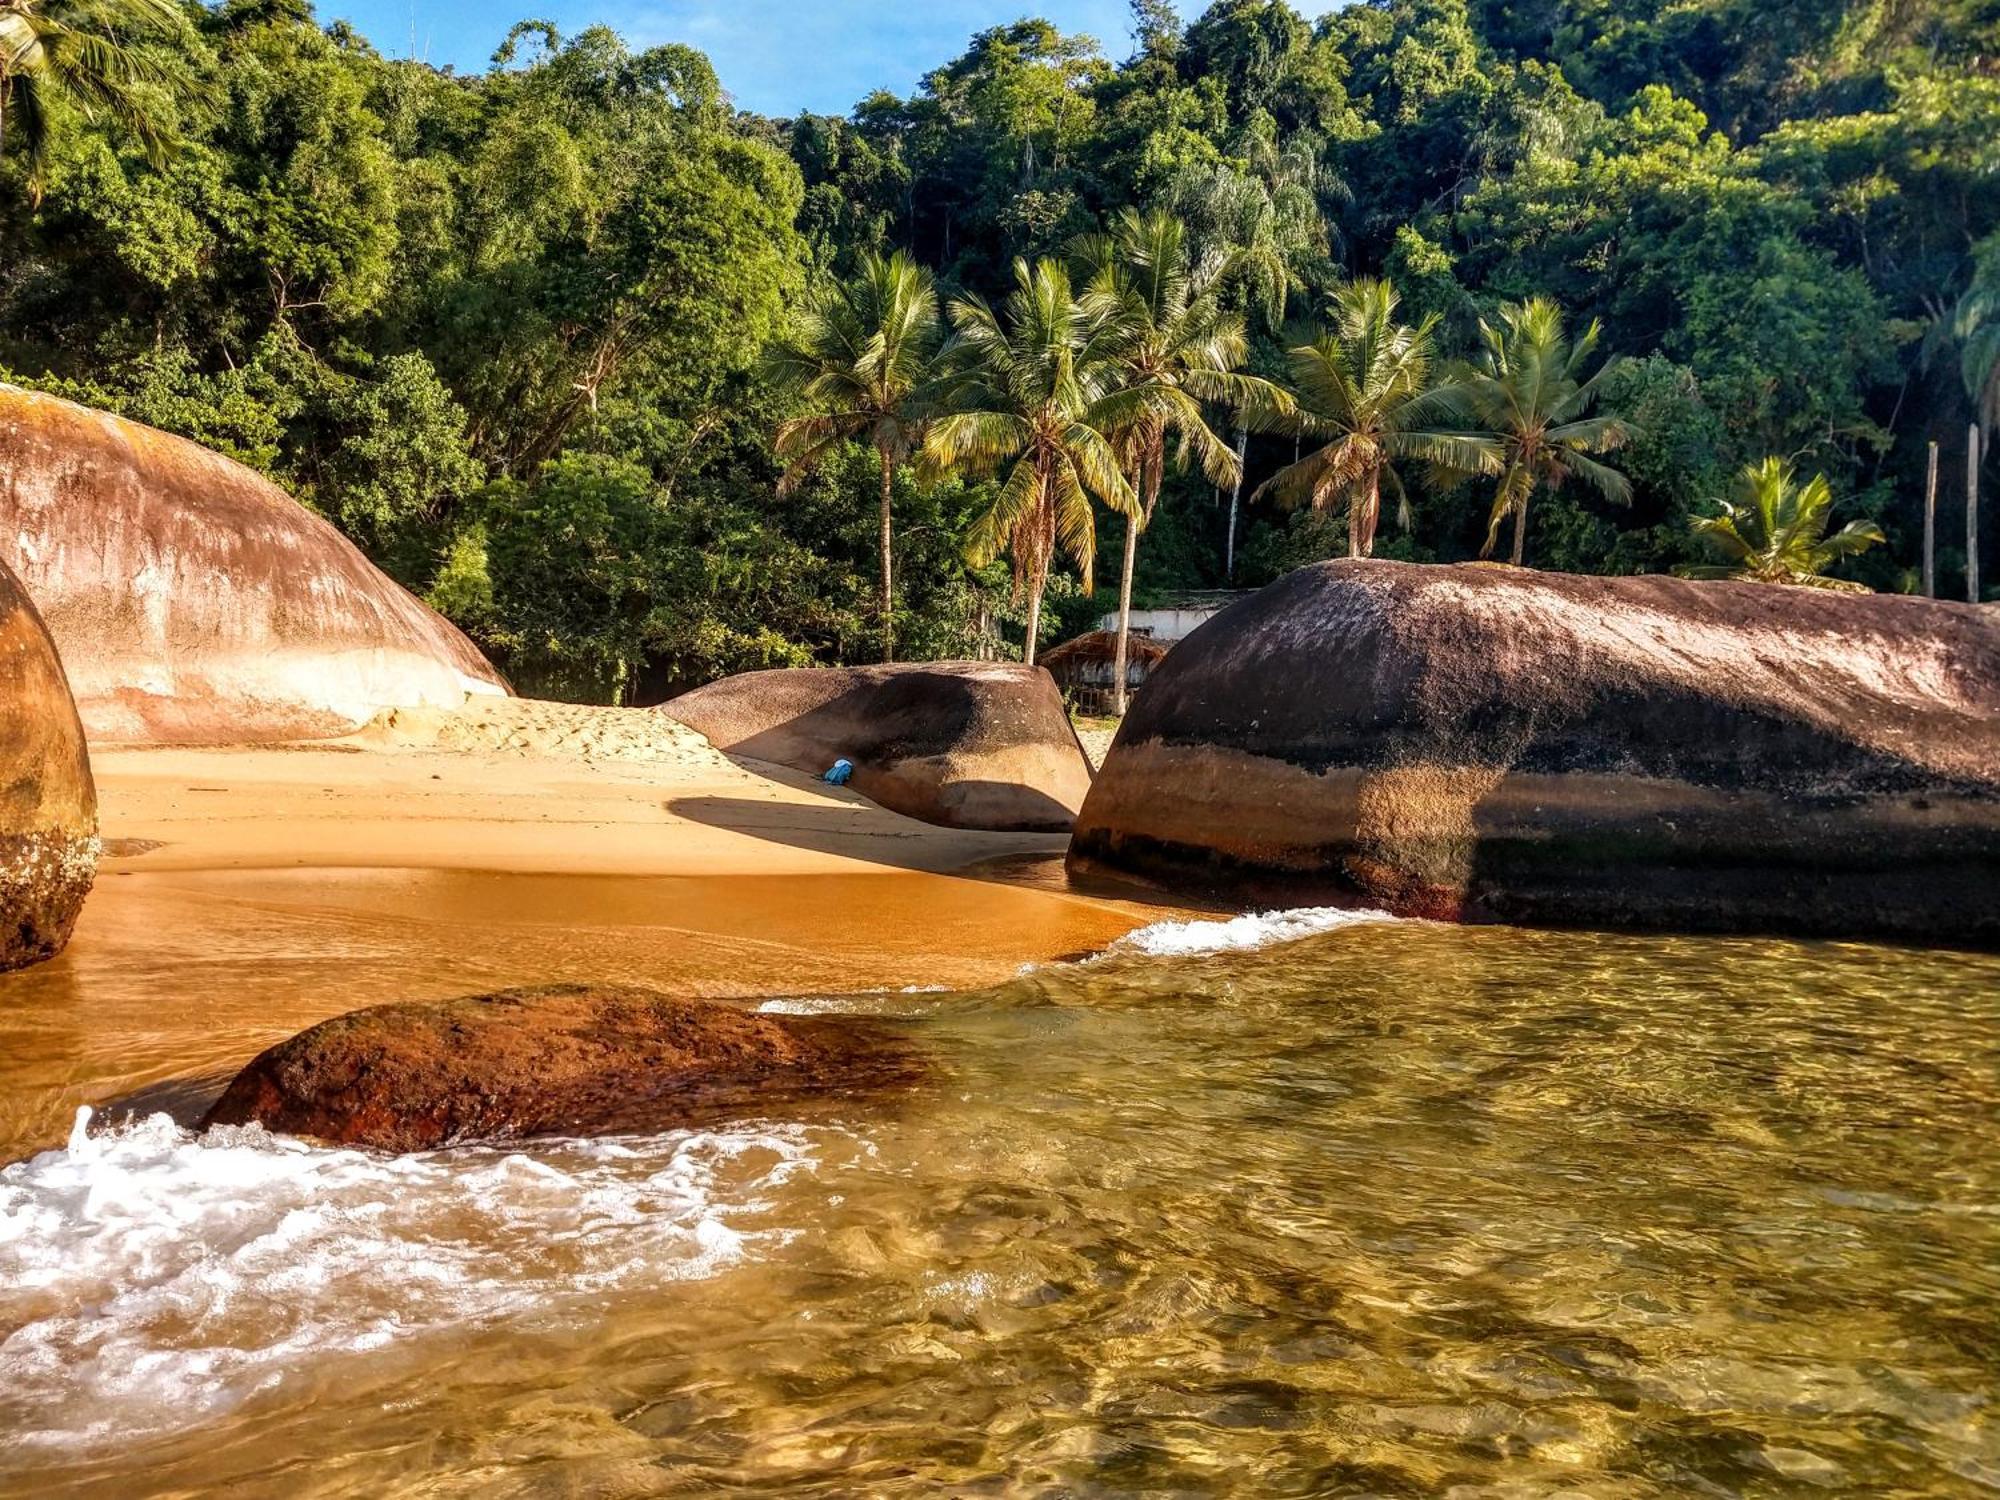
x,y
1385,1210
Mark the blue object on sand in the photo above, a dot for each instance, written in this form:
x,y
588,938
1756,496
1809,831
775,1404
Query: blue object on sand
x,y
841,774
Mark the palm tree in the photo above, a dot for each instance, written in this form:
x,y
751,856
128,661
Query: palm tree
x,y
864,356
1777,533
1183,350
72,50
1528,391
1367,398
1035,393
1970,327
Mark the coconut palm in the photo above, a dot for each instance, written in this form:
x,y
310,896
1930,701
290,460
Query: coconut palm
x,y
1270,210
1182,350
1528,390
74,50
1035,394
1970,328
1368,399
1775,532
863,356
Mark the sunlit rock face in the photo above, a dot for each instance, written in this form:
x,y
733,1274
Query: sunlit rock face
x,y
963,744
48,804
577,1060
196,602
1478,743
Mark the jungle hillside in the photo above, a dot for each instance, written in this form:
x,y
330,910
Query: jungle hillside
x,y
641,389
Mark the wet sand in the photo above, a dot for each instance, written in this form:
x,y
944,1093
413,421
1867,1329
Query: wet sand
x,y
250,892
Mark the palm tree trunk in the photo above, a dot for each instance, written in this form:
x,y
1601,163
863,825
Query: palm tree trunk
x,y
888,603
1235,496
1152,470
1122,657
1034,618
1363,516
1521,528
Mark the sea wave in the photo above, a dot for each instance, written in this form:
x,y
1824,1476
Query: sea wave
x,y
151,1278
1241,934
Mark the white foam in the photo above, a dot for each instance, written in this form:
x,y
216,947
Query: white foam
x,y
150,1278
1240,934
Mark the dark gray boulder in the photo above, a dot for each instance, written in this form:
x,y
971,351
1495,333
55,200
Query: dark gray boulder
x,y
963,744
1478,743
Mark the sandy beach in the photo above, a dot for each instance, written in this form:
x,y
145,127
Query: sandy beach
x,y
248,892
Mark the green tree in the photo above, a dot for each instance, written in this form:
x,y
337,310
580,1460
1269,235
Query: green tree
x,y
1368,399
1775,531
863,356
1184,350
1036,394
1970,327
73,51
1529,392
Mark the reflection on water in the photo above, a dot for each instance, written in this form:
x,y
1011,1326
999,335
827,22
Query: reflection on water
x,y
1390,1210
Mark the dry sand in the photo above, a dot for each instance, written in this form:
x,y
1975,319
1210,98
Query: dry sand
x,y
249,892
513,785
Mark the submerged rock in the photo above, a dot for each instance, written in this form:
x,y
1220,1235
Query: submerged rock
x,y
963,744
1489,744
561,1060
48,802
195,601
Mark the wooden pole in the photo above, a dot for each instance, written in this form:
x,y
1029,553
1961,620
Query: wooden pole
x,y
1930,527
1973,515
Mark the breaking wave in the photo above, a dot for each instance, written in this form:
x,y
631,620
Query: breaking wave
x,y
151,1278
1241,934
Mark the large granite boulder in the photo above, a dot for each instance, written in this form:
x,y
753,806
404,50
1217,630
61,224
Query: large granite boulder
x,y
561,1060
964,744
48,803
194,601
1489,744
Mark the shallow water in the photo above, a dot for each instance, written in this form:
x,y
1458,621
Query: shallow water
x,y
1389,1209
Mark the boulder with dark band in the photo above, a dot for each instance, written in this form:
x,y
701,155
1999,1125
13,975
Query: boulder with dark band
x,y
568,1060
1488,744
194,601
48,802
963,744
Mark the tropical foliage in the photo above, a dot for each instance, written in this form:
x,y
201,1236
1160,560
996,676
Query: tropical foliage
x,y
57,52
1529,390
1775,531
1180,356
509,328
1034,398
1367,397
863,358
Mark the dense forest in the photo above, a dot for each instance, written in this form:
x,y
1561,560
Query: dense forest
x,y
533,337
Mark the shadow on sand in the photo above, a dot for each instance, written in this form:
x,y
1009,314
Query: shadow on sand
x,y
861,830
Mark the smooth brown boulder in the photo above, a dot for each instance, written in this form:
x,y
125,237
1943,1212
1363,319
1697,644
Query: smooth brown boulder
x,y
573,1060
963,744
1479,743
48,802
196,602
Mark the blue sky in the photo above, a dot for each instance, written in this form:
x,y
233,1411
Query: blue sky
x,y
774,56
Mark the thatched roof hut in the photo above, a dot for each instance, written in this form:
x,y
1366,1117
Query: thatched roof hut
x,y
1085,667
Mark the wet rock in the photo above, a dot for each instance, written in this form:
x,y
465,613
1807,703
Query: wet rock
x,y
1490,744
48,802
196,602
561,1060
962,744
